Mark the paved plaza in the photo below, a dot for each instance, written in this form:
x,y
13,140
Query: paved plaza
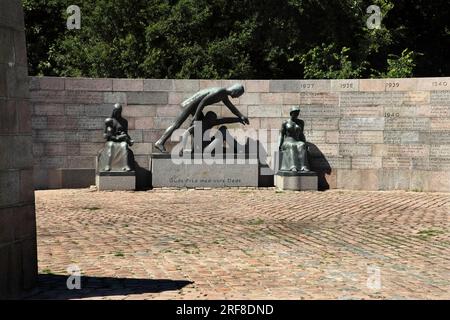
x,y
244,244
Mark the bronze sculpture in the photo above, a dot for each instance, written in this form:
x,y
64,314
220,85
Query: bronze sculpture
x,y
207,122
195,105
293,147
116,156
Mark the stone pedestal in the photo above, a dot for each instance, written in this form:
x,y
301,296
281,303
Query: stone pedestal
x,y
297,181
235,171
121,181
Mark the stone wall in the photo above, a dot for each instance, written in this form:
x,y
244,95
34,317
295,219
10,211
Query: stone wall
x,y
18,261
373,134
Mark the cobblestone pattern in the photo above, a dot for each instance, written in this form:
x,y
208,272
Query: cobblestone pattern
x,y
374,134
244,244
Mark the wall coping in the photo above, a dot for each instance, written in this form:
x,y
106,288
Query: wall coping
x,y
256,85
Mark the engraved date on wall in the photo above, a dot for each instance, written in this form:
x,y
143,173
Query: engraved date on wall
x,y
391,115
439,84
390,85
346,85
306,85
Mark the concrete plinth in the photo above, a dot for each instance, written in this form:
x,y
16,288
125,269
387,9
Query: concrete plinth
x,y
297,181
204,172
115,181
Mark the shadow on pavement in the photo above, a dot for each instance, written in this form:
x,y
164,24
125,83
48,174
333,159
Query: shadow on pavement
x,y
55,287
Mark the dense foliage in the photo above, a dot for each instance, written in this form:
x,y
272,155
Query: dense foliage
x,y
265,39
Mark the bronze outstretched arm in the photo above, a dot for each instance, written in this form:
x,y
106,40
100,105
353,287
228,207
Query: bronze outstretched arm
x,y
225,120
235,110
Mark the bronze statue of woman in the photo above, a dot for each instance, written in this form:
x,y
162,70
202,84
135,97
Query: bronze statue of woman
x,y
293,146
116,155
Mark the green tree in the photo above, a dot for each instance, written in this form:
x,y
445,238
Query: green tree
x,y
43,31
400,66
238,39
326,62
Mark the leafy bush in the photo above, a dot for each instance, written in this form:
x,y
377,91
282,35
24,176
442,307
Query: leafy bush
x,y
288,39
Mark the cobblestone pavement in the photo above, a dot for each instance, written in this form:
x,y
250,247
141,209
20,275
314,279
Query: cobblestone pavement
x,y
244,244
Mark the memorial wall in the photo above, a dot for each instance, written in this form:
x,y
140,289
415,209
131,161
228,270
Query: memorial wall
x,y
387,134
18,256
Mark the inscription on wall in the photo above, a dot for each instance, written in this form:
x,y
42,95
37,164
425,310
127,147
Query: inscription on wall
x,y
369,126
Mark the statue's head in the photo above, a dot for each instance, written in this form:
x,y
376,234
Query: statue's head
x,y
109,125
109,122
117,111
295,112
210,116
236,90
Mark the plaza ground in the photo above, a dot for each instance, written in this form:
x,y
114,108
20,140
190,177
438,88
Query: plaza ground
x,y
244,244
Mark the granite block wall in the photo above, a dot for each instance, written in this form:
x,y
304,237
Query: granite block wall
x,y
18,259
383,134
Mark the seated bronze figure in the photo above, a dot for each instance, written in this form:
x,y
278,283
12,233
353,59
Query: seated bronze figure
x,y
293,147
116,156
